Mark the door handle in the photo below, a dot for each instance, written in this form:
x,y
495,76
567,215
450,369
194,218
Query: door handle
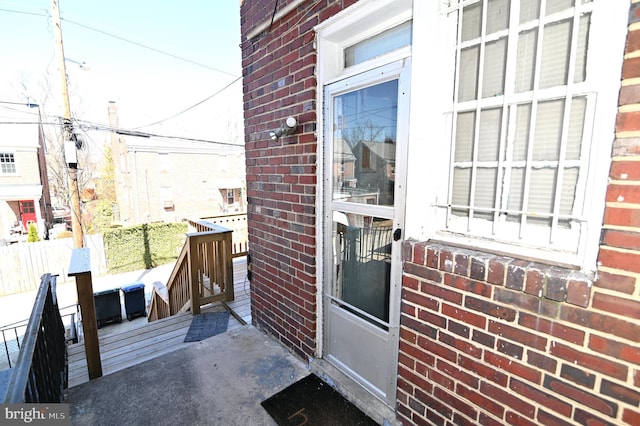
x,y
397,234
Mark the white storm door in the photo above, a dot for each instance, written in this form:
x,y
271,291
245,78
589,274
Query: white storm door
x,y
366,144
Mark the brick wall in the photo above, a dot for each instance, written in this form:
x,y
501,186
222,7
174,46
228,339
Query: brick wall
x,y
484,339
279,81
494,340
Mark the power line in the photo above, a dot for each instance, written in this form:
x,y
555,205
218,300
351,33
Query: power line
x,y
148,47
191,107
24,13
86,125
133,132
29,122
181,58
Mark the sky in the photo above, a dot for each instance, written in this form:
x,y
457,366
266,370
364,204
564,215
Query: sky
x,y
154,58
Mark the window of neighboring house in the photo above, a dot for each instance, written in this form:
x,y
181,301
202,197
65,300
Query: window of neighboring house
x,y
166,195
164,161
223,163
523,108
7,163
231,197
366,161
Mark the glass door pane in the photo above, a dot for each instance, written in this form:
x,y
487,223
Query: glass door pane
x,y
362,264
364,144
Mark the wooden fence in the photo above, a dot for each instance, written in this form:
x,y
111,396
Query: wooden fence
x,y
23,264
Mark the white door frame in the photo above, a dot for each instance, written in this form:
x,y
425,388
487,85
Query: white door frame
x,y
355,23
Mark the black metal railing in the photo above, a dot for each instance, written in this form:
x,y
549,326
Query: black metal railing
x,y
40,373
12,335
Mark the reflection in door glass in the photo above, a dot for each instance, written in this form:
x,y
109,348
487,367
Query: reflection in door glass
x,y
364,144
362,262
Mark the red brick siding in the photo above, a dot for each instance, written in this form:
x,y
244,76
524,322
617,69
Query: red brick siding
x,y
494,340
279,81
540,345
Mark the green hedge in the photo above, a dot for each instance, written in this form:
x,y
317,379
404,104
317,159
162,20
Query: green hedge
x,y
143,246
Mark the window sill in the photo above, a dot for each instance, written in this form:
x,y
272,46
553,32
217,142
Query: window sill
x,y
541,281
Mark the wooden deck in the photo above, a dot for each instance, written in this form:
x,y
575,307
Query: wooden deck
x,y
142,341
240,307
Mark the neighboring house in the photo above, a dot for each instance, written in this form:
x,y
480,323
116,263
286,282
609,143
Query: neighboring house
x,y
24,185
169,180
495,279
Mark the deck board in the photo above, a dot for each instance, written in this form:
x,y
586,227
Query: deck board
x,y
141,341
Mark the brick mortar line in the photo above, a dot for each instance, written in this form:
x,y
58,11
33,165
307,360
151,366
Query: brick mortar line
x,y
625,159
619,249
621,228
630,107
630,206
624,182
617,294
632,55
628,134
619,272
614,271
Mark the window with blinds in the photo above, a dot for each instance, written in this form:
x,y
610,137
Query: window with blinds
x,y
521,107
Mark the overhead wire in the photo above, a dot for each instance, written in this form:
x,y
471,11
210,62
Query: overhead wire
x,y
191,107
157,51
148,47
163,52
22,12
86,125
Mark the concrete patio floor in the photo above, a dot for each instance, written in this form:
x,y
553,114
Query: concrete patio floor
x,y
219,381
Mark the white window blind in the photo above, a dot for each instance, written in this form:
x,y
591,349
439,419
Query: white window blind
x,y
372,47
521,101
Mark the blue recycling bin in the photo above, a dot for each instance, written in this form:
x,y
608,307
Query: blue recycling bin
x,y
108,308
134,301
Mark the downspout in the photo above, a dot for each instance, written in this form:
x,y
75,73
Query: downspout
x,y
136,192
39,219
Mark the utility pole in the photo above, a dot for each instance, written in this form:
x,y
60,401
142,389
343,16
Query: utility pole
x,y
80,266
70,150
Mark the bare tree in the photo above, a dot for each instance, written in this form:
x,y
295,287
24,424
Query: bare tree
x,y
40,92
365,131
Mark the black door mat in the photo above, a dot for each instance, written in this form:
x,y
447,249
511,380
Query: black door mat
x,y
310,401
207,324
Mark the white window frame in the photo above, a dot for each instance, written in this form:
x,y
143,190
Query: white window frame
x,y
435,21
230,192
166,195
12,156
